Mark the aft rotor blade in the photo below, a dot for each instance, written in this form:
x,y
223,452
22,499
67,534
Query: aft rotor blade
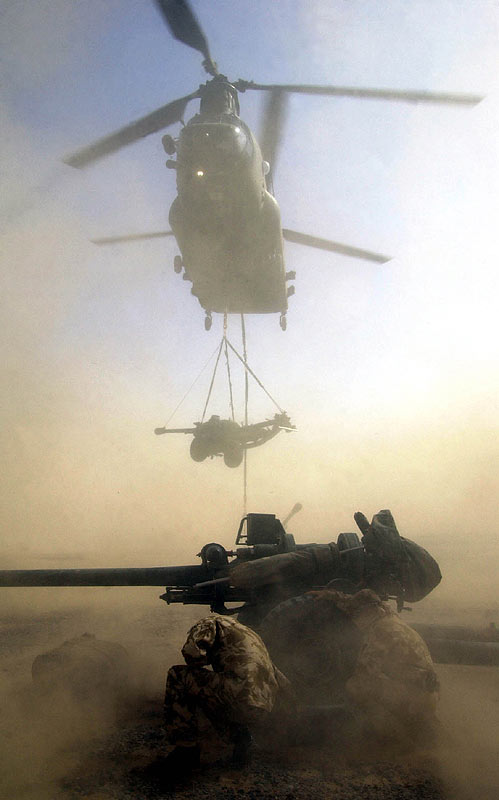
x,y
273,123
131,237
333,247
185,27
408,96
156,121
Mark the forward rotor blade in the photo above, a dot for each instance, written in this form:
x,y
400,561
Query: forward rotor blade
x,y
156,121
273,123
332,247
185,27
409,96
132,237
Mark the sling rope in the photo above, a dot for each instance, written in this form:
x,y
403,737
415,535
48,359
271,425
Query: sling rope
x,y
246,396
231,399
212,379
227,343
190,388
248,368
246,382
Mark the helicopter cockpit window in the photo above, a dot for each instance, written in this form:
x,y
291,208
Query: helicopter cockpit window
x,y
213,147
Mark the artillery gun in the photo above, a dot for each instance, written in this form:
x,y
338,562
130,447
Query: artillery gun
x,y
263,578
260,536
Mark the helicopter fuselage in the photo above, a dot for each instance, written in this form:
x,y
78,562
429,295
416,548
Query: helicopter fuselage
x,y
226,223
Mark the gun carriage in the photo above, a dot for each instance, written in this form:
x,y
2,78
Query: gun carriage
x,y
266,574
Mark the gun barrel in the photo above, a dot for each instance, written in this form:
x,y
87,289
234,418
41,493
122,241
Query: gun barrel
x,y
160,431
182,576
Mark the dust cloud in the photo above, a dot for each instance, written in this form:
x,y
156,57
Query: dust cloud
x,y
46,735
468,738
97,350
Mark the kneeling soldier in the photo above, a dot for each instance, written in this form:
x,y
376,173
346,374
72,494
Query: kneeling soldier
x,y
238,693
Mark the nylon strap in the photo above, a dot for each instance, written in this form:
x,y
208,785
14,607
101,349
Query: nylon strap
x,y
212,379
190,388
246,395
248,368
231,398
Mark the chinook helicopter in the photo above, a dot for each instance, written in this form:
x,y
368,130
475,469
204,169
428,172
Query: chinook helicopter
x,y
225,219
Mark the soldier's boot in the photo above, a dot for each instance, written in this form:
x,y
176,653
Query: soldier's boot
x,y
243,746
182,759
178,766
166,773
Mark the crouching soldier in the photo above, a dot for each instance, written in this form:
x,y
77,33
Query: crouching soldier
x,y
240,692
359,655
393,689
350,647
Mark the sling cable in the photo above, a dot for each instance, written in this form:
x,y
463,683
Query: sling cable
x,y
226,437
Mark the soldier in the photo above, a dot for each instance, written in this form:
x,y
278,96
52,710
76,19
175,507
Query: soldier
x,y
354,648
394,687
240,691
360,655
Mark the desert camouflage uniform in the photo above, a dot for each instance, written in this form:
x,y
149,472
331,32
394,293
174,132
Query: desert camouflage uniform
x,y
241,690
394,684
393,687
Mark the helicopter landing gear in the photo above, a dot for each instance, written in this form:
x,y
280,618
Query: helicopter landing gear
x,y
177,264
207,321
283,322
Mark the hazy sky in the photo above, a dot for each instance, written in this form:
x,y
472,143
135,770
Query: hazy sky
x,y
389,372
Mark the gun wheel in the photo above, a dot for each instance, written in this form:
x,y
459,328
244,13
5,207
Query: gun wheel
x,y
198,450
233,456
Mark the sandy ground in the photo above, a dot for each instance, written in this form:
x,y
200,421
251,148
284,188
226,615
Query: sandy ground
x,y
52,750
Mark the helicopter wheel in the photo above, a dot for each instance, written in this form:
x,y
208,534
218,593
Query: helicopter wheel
x,y
283,322
177,264
207,322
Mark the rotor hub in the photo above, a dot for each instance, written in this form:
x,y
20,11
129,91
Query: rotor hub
x,y
219,96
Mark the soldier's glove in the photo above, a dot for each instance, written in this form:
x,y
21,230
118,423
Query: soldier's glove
x,y
381,537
